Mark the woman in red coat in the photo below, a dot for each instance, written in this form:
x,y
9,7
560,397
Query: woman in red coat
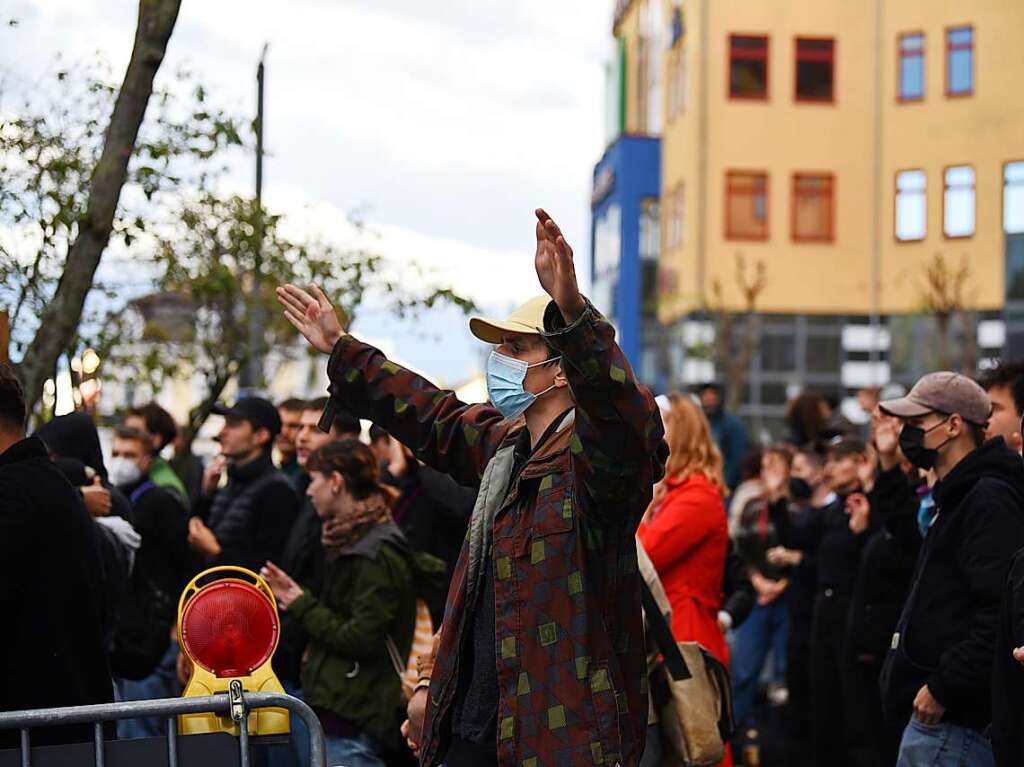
x,y
685,532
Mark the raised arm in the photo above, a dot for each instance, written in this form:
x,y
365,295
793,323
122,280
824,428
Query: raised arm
x,y
453,437
618,444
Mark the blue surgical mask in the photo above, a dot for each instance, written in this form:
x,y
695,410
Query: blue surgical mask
x,y
505,377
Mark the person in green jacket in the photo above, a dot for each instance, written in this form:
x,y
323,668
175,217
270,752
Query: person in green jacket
x,y
367,600
162,429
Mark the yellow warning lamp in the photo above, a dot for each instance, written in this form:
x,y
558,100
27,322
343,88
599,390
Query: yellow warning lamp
x,y
229,628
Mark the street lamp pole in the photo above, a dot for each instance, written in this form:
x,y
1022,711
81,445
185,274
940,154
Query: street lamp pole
x,y
252,375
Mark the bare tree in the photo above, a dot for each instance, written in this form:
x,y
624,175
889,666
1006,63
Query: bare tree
x,y
60,319
944,295
736,332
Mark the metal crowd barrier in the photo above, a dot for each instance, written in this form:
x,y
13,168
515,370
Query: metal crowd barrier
x,y
237,704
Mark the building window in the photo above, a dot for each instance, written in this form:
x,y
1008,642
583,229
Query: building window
x,y
748,67
960,61
958,201
650,228
813,207
641,87
746,206
911,205
815,70
1013,228
911,85
675,233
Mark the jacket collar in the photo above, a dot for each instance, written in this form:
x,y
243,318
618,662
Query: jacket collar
x,y
250,471
370,544
30,447
552,449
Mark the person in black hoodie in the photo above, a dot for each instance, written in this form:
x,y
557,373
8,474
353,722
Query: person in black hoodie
x,y
246,522
52,649
836,545
143,657
938,672
73,444
883,580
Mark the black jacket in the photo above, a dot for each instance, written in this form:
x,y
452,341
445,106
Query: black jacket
x,y
886,567
52,651
252,515
432,512
737,589
1008,674
163,564
303,559
946,636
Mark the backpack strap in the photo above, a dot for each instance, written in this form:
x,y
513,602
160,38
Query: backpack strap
x,y
141,490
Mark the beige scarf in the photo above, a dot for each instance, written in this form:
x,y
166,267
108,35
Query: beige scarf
x,y
343,531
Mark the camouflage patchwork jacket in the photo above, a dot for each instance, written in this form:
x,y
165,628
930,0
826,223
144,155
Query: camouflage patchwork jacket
x,y
571,660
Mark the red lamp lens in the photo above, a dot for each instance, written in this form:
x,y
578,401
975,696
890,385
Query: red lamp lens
x,y
229,629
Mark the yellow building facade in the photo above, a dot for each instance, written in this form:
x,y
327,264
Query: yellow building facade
x,y
843,146
856,141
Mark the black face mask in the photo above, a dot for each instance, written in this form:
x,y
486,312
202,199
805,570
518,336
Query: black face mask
x,y
800,489
912,445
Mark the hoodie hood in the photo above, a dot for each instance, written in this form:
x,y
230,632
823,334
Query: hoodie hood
x,y
993,460
74,436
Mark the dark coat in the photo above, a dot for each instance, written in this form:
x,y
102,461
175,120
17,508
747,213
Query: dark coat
x,y
303,559
1008,674
886,568
946,636
433,512
252,515
52,652
163,564
367,595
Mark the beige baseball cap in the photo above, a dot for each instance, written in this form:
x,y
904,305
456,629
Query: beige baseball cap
x,y
949,393
528,319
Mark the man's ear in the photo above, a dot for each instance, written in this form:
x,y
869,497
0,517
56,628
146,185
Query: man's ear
x,y
561,380
263,437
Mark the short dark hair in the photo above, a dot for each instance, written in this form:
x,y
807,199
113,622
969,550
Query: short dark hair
x,y
158,422
292,405
977,433
318,404
1008,374
844,447
378,432
12,399
136,435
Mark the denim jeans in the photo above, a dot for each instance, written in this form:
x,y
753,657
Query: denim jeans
x,y
296,752
162,683
361,751
943,745
765,631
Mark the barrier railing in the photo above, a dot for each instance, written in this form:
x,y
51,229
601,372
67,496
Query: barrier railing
x,y
237,704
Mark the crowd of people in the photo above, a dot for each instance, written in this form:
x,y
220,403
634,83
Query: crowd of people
x,y
864,584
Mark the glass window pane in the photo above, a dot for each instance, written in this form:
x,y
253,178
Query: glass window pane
x,y
746,205
911,205
960,61
748,67
912,66
814,70
778,353
823,353
1013,198
812,208
1015,267
958,203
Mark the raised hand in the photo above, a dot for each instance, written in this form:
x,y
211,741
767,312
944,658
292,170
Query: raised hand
x,y
885,431
555,268
775,476
312,315
858,508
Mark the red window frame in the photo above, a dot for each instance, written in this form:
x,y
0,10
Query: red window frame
x,y
901,55
733,189
814,55
747,54
951,47
828,192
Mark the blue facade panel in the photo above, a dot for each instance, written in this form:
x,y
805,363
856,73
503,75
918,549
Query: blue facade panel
x,y
628,174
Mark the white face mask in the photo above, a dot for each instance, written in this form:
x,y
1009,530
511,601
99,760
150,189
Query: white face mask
x,y
123,471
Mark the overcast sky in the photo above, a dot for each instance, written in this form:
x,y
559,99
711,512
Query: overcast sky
x,y
448,122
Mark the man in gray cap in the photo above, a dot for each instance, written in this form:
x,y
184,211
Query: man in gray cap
x,y
939,668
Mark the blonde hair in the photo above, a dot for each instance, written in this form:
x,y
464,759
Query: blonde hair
x,y
691,447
